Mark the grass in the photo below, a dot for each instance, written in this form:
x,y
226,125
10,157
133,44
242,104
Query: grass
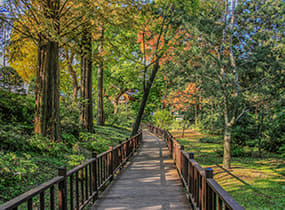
x,y
48,164
256,183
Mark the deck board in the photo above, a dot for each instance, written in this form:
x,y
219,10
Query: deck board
x,y
150,181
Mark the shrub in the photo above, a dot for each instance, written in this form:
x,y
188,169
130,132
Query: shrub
x,y
13,167
70,116
238,151
16,108
43,145
162,118
124,117
94,143
13,136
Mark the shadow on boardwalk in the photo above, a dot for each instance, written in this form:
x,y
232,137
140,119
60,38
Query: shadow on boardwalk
x,y
149,182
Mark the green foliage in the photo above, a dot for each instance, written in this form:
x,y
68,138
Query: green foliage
x,y
9,77
276,134
13,136
93,142
282,150
124,117
238,151
45,146
14,167
75,159
211,139
162,118
69,139
70,113
16,108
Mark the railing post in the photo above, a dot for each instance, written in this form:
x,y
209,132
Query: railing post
x,y
190,174
181,159
94,175
121,153
111,158
62,192
208,194
127,147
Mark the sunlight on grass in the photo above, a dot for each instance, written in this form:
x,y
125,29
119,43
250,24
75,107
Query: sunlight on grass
x,y
256,183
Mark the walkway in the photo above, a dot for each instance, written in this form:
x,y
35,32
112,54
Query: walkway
x,y
150,181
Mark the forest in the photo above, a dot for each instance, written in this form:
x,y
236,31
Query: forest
x,y
78,76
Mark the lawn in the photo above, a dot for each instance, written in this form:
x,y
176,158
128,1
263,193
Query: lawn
x,y
256,183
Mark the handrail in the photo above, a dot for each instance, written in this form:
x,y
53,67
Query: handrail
x,y
77,187
203,191
28,195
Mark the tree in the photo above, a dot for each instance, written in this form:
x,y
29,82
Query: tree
x,y
224,48
40,22
184,100
160,26
22,55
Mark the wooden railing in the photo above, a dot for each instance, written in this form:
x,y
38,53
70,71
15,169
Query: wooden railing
x,y
203,191
77,187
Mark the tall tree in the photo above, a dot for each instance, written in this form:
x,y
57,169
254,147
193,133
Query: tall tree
x,y
100,108
157,35
40,21
47,120
86,114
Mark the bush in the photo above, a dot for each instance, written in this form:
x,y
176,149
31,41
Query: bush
x,y
162,118
16,108
70,115
94,143
282,150
13,167
238,151
13,136
43,145
276,134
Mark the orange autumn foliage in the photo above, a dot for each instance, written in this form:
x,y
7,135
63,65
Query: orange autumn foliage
x,y
182,100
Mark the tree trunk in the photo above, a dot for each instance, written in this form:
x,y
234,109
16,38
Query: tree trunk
x,y
184,125
227,146
196,115
73,75
47,121
144,99
259,131
100,108
86,115
74,82
227,135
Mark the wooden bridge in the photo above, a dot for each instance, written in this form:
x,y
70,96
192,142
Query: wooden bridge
x,y
151,180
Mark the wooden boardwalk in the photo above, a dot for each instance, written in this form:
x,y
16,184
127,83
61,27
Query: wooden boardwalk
x,y
150,181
